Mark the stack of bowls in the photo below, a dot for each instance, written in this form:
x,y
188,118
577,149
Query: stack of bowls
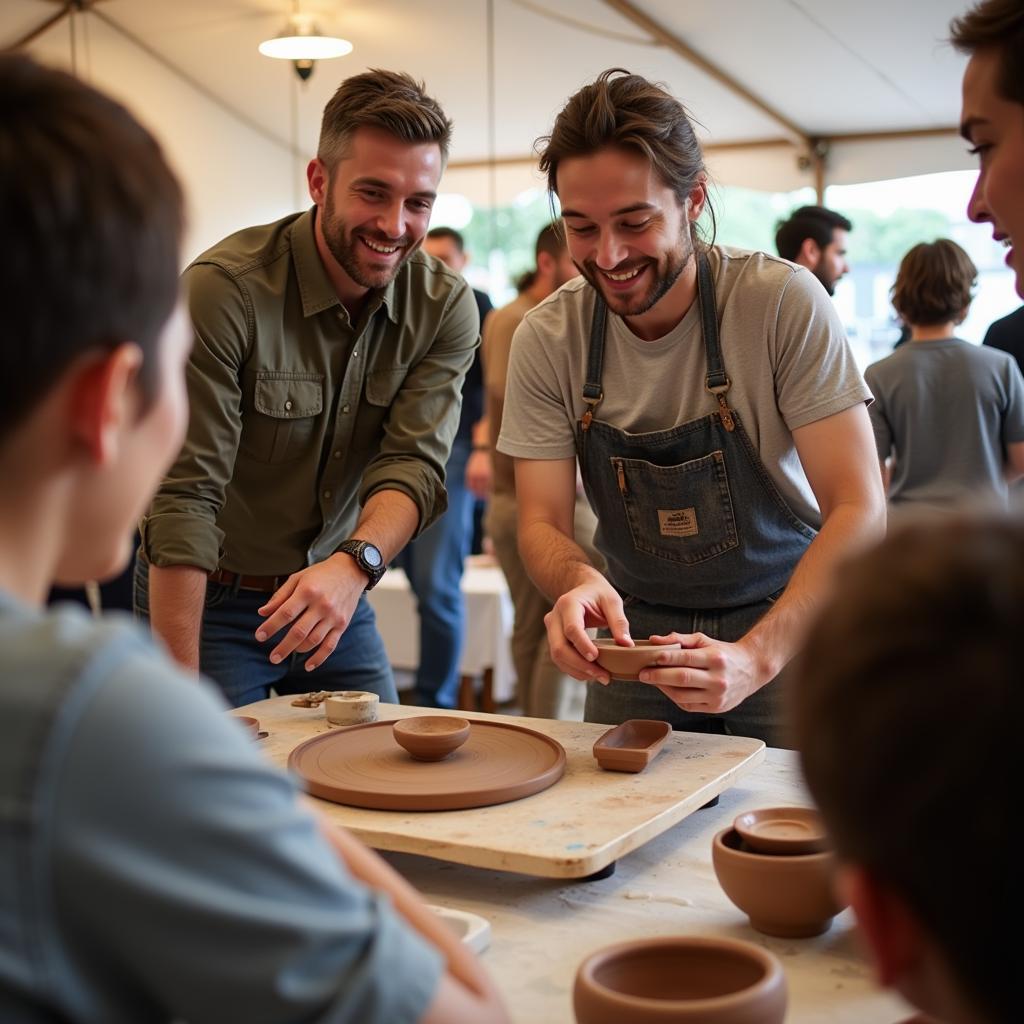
x,y
775,865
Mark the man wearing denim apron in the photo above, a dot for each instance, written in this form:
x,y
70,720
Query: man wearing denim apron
x,y
717,416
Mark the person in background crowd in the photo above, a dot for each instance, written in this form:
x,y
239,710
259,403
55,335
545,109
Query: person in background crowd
x,y
434,562
153,866
324,388
815,237
1007,335
544,689
717,415
906,703
948,416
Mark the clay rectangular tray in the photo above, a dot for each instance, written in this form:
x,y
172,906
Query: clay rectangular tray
x,y
632,746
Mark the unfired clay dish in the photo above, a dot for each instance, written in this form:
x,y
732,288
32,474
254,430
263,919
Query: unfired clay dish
x,y
782,830
431,737
364,767
351,707
626,662
680,979
789,896
632,746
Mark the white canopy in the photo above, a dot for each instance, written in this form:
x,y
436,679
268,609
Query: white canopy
x,y
871,85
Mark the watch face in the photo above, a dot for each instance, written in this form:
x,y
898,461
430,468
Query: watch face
x,y
372,556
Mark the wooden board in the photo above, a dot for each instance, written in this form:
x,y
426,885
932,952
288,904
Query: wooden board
x,y
578,826
363,766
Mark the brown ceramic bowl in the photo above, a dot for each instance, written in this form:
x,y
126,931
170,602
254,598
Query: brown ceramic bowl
x,y
626,662
680,979
431,737
251,725
788,896
783,830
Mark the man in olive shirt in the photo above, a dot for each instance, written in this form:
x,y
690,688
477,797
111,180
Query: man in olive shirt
x,y
324,386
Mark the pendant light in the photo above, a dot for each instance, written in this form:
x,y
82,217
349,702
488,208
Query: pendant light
x,y
302,42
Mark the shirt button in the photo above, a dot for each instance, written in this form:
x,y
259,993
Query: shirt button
x,y
337,455
345,408
327,494
355,352
288,405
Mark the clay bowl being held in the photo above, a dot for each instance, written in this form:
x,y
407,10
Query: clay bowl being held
x,y
782,830
788,895
680,979
431,737
626,662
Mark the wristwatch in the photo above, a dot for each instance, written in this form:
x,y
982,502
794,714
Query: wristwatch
x,y
368,558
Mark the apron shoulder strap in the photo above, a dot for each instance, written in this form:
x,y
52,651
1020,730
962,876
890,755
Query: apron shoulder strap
x,y
592,393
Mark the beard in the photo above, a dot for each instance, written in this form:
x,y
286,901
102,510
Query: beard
x,y
828,283
353,256
667,269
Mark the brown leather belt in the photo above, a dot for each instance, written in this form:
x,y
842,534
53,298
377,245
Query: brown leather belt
x,y
265,584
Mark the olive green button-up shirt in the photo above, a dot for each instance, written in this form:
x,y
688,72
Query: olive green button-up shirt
x,y
299,415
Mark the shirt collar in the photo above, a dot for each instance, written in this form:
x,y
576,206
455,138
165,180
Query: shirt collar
x,y
315,286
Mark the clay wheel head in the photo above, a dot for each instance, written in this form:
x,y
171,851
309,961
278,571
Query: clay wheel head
x,y
431,737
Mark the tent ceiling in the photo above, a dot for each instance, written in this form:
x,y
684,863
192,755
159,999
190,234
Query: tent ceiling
x,y
830,66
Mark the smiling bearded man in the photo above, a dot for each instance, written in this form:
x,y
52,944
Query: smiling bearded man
x,y
324,388
717,416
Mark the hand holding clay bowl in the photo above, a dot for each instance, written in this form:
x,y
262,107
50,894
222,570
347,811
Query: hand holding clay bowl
x,y
788,895
626,662
680,979
431,737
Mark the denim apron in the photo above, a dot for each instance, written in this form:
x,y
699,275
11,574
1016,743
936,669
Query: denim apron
x,y
696,535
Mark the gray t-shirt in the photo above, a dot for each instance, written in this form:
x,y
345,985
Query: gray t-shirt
x,y
946,410
784,350
154,867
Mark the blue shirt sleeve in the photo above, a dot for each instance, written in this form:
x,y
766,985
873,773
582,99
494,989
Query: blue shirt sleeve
x,y
187,874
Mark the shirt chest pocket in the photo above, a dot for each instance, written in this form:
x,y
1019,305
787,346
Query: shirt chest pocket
x,y
283,420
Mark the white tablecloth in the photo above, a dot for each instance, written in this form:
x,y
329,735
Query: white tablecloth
x,y
488,623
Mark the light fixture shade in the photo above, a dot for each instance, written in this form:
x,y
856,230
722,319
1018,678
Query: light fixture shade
x,y
300,39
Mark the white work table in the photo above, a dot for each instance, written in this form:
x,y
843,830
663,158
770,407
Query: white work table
x,y
541,928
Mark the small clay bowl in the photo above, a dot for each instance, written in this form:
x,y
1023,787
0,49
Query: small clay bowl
x,y
251,725
632,746
626,662
782,830
788,896
680,979
431,737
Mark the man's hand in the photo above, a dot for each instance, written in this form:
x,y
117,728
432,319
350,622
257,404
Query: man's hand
x,y
708,676
320,602
595,602
479,473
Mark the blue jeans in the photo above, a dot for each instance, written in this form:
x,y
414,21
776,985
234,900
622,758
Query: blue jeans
x,y
434,562
232,657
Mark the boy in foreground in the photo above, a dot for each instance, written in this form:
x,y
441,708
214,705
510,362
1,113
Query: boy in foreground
x,y
152,866
906,709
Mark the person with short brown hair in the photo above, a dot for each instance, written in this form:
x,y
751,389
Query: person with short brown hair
x,y
717,415
906,706
153,865
325,385
948,416
992,119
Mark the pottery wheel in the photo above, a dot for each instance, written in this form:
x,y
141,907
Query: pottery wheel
x,y
363,766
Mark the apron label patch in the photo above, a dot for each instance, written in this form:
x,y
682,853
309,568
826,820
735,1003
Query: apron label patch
x,y
678,522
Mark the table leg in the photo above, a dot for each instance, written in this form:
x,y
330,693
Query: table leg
x,y
487,693
467,698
